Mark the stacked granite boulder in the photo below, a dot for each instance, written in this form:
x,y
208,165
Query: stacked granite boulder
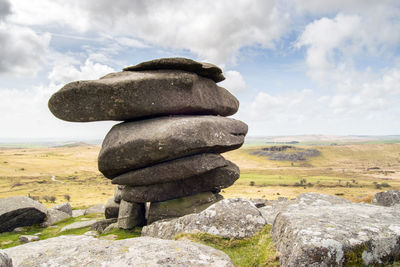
x,y
166,152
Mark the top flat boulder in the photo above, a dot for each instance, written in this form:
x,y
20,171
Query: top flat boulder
x,y
132,95
179,63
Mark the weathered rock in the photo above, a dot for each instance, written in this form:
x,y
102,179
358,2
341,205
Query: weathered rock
x,y
229,218
111,209
110,227
320,230
64,207
77,225
117,193
131,215
387,198
181,206
54,216
178,63
20,211
98,208
210,181
132,145
27,238
71,250
172,170
100,226
77,213
5,260
131,95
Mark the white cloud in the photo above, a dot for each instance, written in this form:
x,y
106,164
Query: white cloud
x,y
22,50
62,74
234,81
215,31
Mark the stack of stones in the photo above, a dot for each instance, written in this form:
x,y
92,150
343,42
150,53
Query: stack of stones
x,y
166,152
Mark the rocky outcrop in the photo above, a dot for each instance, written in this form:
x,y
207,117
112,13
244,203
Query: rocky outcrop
x,y
387,198
173,131
131,95
178,63
180,206
133,145
228,218
321,230
20,211
142,251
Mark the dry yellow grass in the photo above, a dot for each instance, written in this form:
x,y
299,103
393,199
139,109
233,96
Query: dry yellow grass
x,y
73,171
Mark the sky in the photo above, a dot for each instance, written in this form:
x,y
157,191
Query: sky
x,y
297,67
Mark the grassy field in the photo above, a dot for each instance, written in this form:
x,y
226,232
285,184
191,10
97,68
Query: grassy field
x,y
354,171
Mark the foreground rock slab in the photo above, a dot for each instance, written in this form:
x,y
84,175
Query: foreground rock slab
x,y
213,180
20,211
132,145
178,63
131,95
229,218
321,230
142,251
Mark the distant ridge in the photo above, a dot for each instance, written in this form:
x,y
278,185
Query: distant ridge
x,y
319,138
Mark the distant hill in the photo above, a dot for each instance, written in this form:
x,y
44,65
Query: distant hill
x,y
319,139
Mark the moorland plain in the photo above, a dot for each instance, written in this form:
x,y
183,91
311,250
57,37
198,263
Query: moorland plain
x,y
353,171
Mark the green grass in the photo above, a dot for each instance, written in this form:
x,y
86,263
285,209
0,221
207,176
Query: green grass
x,y
258,250
49,232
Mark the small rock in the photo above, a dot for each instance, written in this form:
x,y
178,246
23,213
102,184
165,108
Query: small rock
x,y
259,202
27,238
110,228
77,225
111,209
6,243
100,226
64,207
19,229
77,213
91,233
98,208
54,216
109,237
387,198
228,218
5,260
131,215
